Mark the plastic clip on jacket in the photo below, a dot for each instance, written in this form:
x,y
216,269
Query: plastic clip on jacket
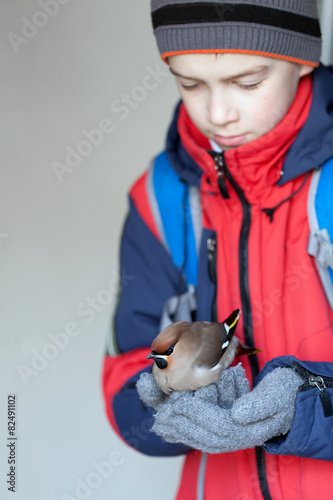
x,y
321,248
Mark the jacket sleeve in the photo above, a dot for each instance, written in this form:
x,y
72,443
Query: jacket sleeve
x,y
311,434
148,278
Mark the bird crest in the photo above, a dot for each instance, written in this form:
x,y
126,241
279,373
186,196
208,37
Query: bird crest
x,y
169,338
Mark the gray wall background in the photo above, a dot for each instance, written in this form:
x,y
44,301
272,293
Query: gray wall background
x,y
66,66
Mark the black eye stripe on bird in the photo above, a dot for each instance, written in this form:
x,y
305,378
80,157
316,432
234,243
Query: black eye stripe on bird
x,y
188,356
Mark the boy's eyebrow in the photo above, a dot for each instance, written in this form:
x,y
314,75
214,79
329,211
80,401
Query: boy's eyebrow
x,y
248,72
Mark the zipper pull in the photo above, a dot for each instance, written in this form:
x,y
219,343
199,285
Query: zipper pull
x,y
219,167
211,248
324,395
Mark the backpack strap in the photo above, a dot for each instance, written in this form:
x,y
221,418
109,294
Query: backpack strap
x,y
176,209
320,212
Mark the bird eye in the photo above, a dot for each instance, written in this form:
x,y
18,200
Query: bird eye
x,y
169,351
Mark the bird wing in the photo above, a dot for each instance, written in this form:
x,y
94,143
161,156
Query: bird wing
x,y
218,337
210,351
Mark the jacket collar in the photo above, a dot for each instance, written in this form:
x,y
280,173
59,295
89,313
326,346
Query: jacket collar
x,y
314,143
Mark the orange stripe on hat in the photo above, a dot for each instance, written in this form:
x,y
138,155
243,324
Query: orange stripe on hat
x,y
238,51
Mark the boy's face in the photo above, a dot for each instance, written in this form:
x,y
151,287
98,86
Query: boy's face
x,y
236,98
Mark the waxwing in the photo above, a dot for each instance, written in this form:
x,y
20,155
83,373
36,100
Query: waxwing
x,y
188,356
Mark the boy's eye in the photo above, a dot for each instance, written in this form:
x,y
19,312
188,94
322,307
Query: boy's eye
x,y
189,87
249,86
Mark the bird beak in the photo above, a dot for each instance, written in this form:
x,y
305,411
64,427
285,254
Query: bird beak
x,y
159,360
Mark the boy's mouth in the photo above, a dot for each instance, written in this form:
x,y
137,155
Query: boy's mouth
x,y
231,140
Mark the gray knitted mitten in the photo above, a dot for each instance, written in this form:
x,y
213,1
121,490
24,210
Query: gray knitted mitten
x,y
149,391
226,416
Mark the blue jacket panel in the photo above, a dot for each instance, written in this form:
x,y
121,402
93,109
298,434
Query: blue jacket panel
x,y
154,280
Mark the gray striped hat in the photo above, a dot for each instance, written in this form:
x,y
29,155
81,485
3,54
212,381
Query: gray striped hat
x,y
286,29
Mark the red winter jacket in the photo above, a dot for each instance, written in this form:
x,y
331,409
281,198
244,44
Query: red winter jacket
x,y
259,220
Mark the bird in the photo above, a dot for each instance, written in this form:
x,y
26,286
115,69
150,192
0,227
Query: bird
x,y
191,355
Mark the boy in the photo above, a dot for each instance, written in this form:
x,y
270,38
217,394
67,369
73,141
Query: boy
x,y
242,161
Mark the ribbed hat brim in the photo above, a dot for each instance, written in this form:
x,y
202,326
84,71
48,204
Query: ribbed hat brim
x,y
249,27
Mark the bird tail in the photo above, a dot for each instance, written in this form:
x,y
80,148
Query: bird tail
x,y
243,349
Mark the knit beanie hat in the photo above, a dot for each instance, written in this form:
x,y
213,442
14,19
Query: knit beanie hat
x,y
285,29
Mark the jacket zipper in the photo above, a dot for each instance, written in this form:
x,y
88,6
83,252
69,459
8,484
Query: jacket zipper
x,y
220,169
223,173
322,383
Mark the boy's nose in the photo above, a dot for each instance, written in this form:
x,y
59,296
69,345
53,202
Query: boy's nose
x,y
221,111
